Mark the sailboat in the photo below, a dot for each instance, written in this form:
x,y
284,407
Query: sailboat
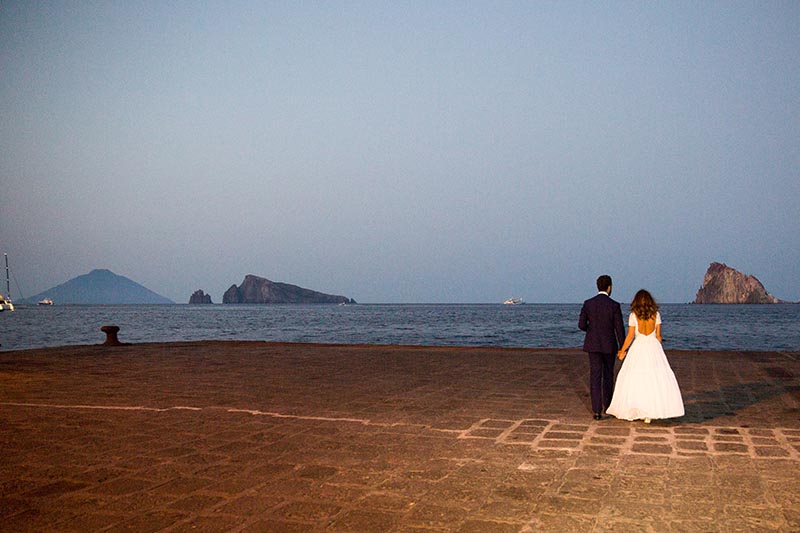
x,y
5,302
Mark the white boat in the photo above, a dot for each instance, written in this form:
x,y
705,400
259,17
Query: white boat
x,y
5,302
514,301
46,301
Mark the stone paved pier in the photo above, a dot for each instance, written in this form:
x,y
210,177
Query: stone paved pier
x,y
246,436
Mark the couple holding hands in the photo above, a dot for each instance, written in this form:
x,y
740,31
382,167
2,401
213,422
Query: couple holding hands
x,y
646,387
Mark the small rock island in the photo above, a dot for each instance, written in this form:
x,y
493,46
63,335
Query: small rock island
x,y
200,297
257,290
725,285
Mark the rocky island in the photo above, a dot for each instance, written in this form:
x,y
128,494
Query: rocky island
x,y
200,297
725,285
257,290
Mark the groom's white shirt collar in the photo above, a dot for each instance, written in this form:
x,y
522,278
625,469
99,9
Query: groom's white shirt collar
x,y
603,292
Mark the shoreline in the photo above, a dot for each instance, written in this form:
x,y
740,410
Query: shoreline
x,y
791,354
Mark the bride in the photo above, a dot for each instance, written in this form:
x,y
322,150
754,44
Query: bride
x,y
646,387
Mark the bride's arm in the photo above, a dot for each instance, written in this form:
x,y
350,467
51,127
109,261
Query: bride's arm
x,y
658,333
627,343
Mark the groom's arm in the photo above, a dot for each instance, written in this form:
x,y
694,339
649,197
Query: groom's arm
x,y
619,327
583,321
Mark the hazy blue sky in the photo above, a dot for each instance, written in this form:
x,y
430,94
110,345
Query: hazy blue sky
x,y
402,151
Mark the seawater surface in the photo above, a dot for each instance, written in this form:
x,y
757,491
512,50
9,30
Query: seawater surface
x,y
691,327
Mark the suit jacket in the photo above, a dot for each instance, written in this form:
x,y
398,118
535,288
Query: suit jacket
x,y
601,319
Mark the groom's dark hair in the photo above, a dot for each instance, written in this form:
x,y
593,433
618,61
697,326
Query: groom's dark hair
x,y
603,282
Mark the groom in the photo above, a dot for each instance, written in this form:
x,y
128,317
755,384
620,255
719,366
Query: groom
x,y
601,319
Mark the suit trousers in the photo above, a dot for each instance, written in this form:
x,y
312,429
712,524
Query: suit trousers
x,y
601,379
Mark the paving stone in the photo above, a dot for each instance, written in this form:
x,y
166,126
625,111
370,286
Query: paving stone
x,y
488,526
559,443
771,451
89,521
385,501
640,439
148,522
765,441
503,424
562,435
268,526
534,423
691,445
652,448
691,431
607,451
725,447
569,427
432,515
307,511
486,433
359,521
215,523
562,522
196,503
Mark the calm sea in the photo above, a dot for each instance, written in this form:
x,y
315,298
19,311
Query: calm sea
x,y
694,327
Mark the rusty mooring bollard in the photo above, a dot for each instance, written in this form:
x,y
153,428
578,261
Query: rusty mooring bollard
x,y
111,335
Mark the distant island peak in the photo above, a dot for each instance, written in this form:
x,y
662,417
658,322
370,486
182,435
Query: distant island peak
x,y
100,286
200,297
257,290
725,285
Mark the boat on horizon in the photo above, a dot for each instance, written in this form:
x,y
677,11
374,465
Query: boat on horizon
x,y
5,302
46,301
514,301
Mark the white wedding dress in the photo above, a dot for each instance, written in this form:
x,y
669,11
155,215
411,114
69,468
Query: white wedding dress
x,y
646,386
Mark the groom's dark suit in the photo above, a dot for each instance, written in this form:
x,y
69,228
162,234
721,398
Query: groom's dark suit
x,y
601,319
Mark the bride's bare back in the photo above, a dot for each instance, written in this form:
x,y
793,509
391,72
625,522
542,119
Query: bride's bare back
x,y
646,327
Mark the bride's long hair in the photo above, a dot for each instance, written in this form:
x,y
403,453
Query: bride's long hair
x,y
644,306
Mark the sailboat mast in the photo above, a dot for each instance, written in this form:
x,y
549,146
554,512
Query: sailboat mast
x,y
8,282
